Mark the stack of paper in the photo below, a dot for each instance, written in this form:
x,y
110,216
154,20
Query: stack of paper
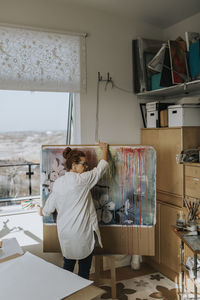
x,y
30,277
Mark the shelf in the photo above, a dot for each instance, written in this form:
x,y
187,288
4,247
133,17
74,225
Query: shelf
x,y
180,90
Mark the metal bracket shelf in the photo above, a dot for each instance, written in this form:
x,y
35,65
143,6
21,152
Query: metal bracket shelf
x,y
175,91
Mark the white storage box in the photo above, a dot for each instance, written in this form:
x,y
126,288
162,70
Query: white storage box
x,y
152,119
183,115
151,106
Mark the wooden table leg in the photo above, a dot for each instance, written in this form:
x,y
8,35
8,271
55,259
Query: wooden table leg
x,y
113,277
98,268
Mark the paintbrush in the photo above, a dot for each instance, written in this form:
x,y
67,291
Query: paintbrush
x,y
196,206
186,204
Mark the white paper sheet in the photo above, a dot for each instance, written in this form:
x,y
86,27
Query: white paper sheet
x,y
30,277
10,247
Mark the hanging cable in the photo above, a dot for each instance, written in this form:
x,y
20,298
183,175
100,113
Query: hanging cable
x,y
97,112
110,82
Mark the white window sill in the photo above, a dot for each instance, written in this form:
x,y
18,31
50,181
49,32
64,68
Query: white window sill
x,y
15,210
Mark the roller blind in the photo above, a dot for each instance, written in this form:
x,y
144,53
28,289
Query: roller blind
x,y
41,61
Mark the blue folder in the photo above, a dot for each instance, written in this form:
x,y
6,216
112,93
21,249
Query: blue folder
x,y
155,81
194,59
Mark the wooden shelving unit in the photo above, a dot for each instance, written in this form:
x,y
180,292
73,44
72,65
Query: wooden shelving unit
x,y
193,242
170,185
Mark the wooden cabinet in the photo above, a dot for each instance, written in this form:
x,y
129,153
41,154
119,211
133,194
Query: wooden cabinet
x,y
172,184
192,180
168,143
156,258
169,243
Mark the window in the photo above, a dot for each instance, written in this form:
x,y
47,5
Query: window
x,y
29,120
52,64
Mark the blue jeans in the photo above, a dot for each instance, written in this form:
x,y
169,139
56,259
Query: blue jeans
x,y
84,265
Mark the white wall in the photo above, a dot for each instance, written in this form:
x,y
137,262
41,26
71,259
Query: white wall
x,y
108,50
179,29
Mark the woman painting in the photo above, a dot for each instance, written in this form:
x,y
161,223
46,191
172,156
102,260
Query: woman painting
x,y
77,223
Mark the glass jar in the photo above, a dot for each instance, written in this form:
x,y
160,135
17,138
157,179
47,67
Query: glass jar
x,y
180,219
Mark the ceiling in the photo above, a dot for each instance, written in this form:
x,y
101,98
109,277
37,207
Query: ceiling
x,y
162,13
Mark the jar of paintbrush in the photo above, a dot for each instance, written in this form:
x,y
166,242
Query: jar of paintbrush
x,y
198,223
193,221
180,220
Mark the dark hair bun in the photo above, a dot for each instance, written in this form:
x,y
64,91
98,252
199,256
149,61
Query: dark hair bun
x,y
66,152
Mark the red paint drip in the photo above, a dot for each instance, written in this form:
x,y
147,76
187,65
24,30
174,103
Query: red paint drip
x,y
146,191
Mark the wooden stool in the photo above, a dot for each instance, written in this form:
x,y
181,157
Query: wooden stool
x,y
99,269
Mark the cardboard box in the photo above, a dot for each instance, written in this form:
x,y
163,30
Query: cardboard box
x,y
164,118
184,115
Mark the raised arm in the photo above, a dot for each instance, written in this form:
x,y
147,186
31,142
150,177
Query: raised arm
x,y
90,178
104,148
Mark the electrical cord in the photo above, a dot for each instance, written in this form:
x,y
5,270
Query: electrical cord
x,y
121,89
97,116
113,85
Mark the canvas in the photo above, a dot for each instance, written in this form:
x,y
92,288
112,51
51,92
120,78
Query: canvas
x,y
125,197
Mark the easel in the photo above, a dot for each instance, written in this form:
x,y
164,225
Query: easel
x,y
99,269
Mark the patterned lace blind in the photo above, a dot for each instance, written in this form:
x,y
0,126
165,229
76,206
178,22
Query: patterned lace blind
x,y
41,61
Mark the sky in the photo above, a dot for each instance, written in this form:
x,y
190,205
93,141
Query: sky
x,y
36,111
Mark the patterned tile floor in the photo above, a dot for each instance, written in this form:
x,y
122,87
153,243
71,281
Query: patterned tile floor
x,y
147,287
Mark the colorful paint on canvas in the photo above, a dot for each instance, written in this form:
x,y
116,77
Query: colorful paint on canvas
x,y
126,195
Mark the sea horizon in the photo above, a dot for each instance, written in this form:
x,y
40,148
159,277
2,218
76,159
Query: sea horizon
x,y
26,145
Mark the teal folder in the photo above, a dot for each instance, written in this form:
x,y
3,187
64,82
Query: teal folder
x,y
194,59
155,81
